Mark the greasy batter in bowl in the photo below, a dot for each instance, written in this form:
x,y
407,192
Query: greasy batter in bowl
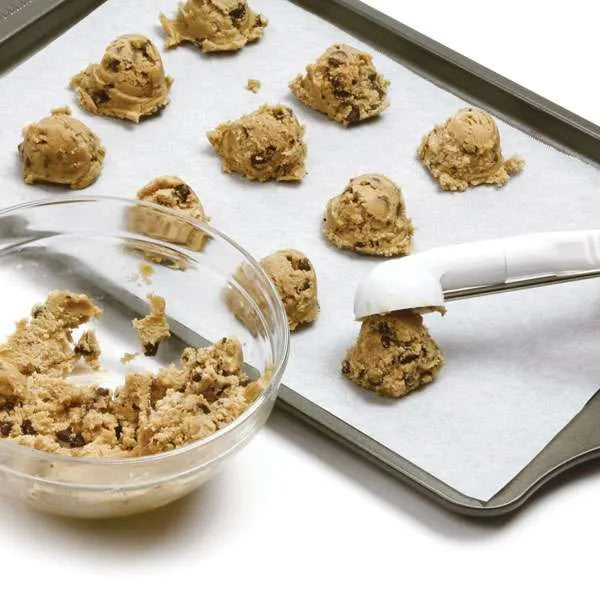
x,y
149,413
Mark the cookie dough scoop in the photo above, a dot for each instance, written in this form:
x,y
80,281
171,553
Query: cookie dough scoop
x,y
214,25
426,280
465,151
264,145
369,217
129,83
61,149
343,84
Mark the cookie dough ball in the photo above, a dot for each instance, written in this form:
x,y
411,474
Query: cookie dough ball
x,y
214,25
296,283
129,83
393,355
61,149
369,217
343,84
264,145
465,151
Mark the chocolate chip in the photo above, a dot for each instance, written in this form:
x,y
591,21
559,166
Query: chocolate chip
x,y
345,367
333,62
303,264
197,377
82,350
372,77
183,191
340,94
259,160
27,427
5,428
305,285
403,360
386,341
102,391
118,431
70,437
113,64
151,349
101,96
7,403
146,53
205,409
359,245
353,115
238,13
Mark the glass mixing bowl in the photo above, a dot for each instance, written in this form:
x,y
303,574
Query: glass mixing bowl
x,y
117,251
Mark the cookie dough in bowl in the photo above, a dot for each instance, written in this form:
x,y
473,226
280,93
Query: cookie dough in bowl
x,y
465,151
369,217
214,25
343,84
128,83
61,149
86,435
264,145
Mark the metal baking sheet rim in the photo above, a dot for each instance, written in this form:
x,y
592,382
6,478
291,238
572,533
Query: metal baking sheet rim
x,y
578,441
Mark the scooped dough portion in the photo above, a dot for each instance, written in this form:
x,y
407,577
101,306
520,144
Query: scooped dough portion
x,y
393,355
171,192
466,151
43,343
214,25
264,145
369,217
154,327
129,83
296,282
343,84
61,149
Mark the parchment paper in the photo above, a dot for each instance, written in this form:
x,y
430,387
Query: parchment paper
x,y
519,366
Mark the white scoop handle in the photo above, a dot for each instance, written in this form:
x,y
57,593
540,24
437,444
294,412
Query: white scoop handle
x,y
420,280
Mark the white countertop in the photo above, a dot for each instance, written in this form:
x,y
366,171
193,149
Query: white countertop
x,y
296,515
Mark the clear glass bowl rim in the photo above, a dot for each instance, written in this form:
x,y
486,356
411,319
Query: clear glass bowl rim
x,y
278,366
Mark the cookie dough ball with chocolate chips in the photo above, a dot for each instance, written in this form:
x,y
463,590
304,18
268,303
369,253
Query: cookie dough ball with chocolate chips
x,y
214,25
369,217
343,84
465,151
296,282
264,145
393,355
129,83
61,149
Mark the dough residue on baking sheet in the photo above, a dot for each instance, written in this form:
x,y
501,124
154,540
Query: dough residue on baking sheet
x,y
61,149
253,85
344,84
128,83
466,151
393,355
264,145
128,357
369,217
154,327
214,25
149,413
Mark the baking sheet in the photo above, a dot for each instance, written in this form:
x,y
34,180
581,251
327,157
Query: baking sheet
x,y
519,366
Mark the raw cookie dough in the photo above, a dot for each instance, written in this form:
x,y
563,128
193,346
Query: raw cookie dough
x,y
43,343
88,348
61,149
153,328
214,25
253,85
465,151
264,145
393,355
369,217
296,282
129,83
343,84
